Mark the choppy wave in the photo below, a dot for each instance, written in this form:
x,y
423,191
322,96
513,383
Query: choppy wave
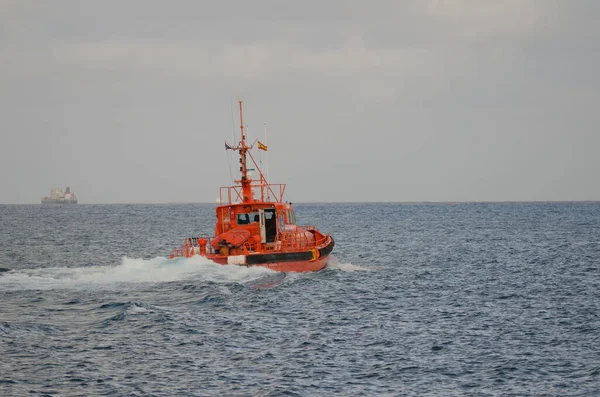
x,y
131,270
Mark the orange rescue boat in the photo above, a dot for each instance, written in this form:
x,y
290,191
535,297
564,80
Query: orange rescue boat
x,y
255,227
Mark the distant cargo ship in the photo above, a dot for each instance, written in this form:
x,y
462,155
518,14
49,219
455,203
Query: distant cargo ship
x,y
59,196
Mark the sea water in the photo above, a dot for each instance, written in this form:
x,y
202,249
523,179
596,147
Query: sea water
x,y
417,300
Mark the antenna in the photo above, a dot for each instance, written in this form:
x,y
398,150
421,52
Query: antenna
x,y
245,181
233,140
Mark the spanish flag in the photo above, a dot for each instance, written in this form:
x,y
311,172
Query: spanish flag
x,y
262,147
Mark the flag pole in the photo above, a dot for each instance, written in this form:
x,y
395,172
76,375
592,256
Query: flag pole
x,y
267,157
267,153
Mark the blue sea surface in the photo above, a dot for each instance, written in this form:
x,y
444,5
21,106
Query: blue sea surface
x,y
473,299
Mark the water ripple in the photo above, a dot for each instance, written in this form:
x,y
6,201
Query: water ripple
x,y
418,300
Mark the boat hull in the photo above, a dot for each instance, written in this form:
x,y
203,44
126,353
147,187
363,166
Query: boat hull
x,y
300,261
298,266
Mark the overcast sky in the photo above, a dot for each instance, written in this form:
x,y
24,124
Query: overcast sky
x,y
423,100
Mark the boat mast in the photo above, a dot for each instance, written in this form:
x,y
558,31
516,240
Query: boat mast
x,y
245,181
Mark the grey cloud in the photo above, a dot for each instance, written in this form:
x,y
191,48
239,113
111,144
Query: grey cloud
x,y
392,101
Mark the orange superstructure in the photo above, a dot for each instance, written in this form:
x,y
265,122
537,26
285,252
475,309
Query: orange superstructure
x,y
255,227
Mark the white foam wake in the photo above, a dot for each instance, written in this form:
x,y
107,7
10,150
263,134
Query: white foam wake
x,y
333,263
129,271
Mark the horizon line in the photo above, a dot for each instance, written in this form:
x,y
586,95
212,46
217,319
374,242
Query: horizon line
x,y
334,202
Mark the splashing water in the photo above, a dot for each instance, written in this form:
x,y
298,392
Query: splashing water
x,y
129,271
333,263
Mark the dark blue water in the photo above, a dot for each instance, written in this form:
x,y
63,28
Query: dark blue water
x,y
419,300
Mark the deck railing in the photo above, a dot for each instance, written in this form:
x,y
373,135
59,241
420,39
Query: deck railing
x,y
285,241
269,193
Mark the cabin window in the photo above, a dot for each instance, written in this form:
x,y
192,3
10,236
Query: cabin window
x,y
245,219
291,217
